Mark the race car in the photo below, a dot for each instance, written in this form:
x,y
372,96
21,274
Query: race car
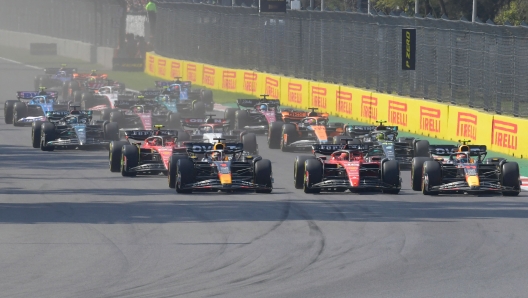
x,y
150,156
344,167
20,113
223,167
293,117
54,77
301,136
207,130
106,99
464,169
257,115
183,92
73,131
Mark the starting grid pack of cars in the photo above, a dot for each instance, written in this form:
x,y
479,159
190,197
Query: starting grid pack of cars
x,y
166,130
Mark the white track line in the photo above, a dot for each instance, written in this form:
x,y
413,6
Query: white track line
x,y
16,62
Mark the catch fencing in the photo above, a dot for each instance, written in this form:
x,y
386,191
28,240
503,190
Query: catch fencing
x,y
98,22
478,65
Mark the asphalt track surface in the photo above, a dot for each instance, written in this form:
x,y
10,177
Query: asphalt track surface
x,y
70,228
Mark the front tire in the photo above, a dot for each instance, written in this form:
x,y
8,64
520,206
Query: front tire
x,y
510,178
129,160
263,175
249,142
313,174
185,175
36,129
115,154
47,135
298,170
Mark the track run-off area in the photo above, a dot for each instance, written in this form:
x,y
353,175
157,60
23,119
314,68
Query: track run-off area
x,y
71,228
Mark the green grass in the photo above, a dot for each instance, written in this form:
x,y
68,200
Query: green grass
x,y
139,81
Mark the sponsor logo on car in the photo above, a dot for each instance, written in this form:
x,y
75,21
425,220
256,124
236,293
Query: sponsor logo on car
x,y
295,93
250,82
467,125
229,80
430,119
504,134
369,107
397,112
271,87
344,102
319,97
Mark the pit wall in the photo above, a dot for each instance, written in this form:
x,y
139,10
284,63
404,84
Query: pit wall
x,y
427,118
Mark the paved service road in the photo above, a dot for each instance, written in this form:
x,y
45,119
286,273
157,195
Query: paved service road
x,y
70,228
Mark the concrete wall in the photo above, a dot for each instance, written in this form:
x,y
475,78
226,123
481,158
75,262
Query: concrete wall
x,y
67,48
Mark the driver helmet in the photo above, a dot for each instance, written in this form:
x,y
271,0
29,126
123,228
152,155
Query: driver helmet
x,y
207,129
343,156
42,100
356,156
138,109
310,121
73,120
380,137
263,107
93,73
462,158
215,155
349,129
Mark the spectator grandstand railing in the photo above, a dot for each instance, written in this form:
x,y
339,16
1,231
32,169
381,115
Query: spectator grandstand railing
x,y
99,22
477,65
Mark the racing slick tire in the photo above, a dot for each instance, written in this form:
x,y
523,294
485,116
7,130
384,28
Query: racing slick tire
x,y
77,96
263,175
249,142
274,135
494,160
36,128
229,115
115,152
173,168
47,134
432,176
421,148
174,121
129,160
105,114
390,174
416,172
241,119
290,131
183,136
8,111
111,131
86,96
298,170
206,96
511,177
185,174
313,173
116,116
19,112
198,109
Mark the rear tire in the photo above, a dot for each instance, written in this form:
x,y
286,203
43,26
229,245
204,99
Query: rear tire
x,y
249,142
511,177
298,170
19,112
183,136
111,131
105,114
230,115
8,111
129,160
185,170
421,148
263,175
117,117
241,119
390,174
290,131
198,109
174,121
313,173
206,96
274,135
115,153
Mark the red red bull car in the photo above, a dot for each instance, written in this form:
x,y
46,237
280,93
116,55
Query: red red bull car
x,y
150,156
338,168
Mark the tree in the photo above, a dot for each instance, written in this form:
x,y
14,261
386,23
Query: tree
x,y
515,12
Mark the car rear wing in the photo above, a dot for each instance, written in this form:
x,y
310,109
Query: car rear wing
x,y
446,150
195,122
161,84
368,128
249,103
150,93
198,148
55,70
141,135
329,149
32,94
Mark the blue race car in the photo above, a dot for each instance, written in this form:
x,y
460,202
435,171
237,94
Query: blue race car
x,y
183,92
21,113
55,77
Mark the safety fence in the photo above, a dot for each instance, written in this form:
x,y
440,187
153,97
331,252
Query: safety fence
x,y
98,22
477,65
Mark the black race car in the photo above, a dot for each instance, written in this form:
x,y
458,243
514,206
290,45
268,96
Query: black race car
x,y
256,115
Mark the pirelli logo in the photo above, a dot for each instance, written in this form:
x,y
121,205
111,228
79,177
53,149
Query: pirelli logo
x,y
151,61
397,113
467,125
295,93
430,119
369,107
162,63
504,134
271,87
208,77
250,82
319,97
175,69
191,72
229,80
344,102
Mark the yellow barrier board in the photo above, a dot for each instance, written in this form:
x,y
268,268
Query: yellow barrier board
x,y
210,76
323,97
193,72
349,103
294,93
269,84
162,68
250,82
369,109
428,118
468,124
176,69
150,67
229,79
505,133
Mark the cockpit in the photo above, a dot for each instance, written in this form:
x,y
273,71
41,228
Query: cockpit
x,y
105,90
75,120
42,99
314,121
211,129
161,141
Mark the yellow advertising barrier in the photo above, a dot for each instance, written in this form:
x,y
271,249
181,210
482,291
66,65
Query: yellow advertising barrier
x,y
505,133
268,84
323,97
468,124
499,133
295,93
